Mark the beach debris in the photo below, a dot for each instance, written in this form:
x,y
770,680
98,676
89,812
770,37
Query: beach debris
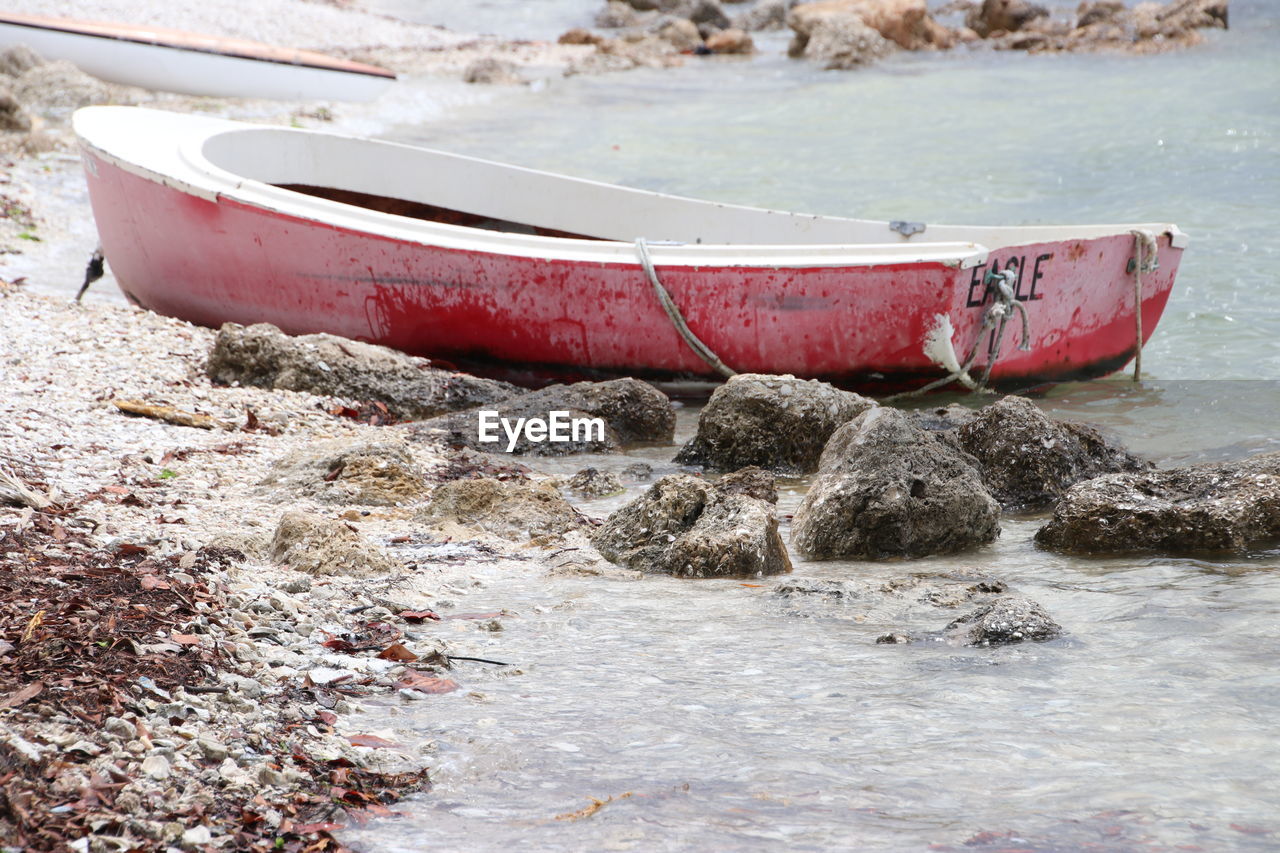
x,y
1220,507
345,471
168,414
15,492
687,527
887,488
515,511
410,387
595,806
372,742
325,546
420,683
779,423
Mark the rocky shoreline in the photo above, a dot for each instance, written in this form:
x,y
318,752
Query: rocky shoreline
x,y
199,595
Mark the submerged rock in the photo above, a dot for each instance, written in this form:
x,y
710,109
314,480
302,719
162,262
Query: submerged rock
x,y
732,40
814,596
516,511
489,70
775,422
594,483
686,527
632,412
887,488
263,356
324,546
375,473
1199,509
1008,619
680,33
1029,460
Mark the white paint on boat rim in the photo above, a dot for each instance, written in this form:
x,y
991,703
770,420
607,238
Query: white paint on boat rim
x,y
215,158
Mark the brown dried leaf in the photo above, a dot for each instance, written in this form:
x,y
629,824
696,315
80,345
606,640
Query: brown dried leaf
x,y
425,683
397,652
371,741
417,615
26,694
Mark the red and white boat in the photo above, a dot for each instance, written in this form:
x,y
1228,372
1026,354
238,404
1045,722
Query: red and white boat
x,y
482,263
194,63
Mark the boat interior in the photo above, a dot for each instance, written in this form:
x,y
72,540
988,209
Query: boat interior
x,y
454,189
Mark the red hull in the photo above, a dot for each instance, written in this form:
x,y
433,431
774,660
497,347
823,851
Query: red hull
x,y
213,261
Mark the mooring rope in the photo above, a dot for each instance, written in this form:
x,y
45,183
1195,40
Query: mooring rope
x,y
1146,259
996,317
703,351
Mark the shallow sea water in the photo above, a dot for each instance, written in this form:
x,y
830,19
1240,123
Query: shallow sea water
x,y
734,721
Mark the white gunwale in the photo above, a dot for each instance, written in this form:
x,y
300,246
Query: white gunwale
x,y
213,158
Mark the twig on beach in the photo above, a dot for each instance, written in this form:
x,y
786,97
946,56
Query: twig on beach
x,y
169,414
14,491
588,811
477,660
